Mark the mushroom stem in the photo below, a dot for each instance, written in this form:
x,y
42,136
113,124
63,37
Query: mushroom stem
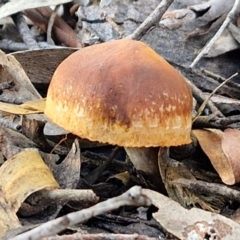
x,y
146,160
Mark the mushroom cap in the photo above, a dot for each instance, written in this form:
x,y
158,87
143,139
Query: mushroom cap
x,y
122,93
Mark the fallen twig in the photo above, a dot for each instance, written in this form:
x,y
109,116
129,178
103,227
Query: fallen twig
x,y
101,236
17,46
133,197
92,177
62,196
50,25
199,186
24,31
201,108
219,78
151,20
200,98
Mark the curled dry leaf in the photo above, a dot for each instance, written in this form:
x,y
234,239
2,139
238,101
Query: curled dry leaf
x,y
24,174
15,85
222,148
8,218
191,224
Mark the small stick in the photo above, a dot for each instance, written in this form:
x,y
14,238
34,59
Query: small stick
x,y
62,196
213,92
208,188
219,78
50,26
24,31
208,46
133,197
151,20
59,143
102,236
198,95
92,177
19,46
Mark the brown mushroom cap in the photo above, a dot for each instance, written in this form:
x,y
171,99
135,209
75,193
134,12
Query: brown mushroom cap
x,y
121,92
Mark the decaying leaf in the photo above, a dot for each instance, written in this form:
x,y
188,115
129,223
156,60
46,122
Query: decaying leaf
x,y
68,172
29,107
222,148
8,217
15,85
235,31
12,142
24,174
225,43
191,224
201,19
40,64
172,170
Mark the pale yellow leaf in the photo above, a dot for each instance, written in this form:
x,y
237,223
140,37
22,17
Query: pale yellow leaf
x,y
8,218
24,174
29,107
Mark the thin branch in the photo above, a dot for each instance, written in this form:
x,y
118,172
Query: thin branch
x,y
102,236
19,46
133,197
92,177
151,20
24,31
208,98
50,25
198,95
199,186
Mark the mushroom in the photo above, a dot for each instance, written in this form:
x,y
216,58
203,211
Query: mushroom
x,y
122,93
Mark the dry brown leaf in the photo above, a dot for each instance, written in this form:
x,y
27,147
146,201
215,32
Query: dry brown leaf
x,y
230,146
191,224
24,174
210,141
29,107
